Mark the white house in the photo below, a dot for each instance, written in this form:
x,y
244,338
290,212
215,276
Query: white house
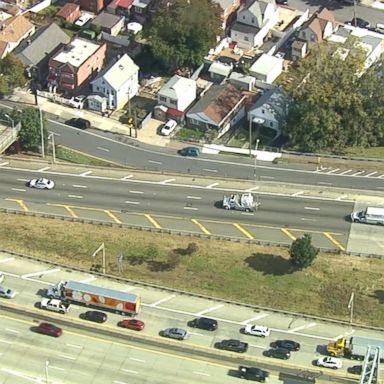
x,y
178,93
267,68
118,83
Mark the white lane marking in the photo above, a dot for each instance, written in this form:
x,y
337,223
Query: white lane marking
x,y
349,333
154,162
74,346
380,177
37,281
201,373
76,196
139,360
18,189
211,185
123,382
25,180
166,181
195,334
103,149
192,208
209,309
85,173
137,192
12,330
79,186
252,189
310,325
156,303
210,170
11,274
324,183
266,177
128,371
5,163
345,172
129,289
5,341
88,280
7,259
307,219
132,202
256,346
357,173
194,197
54,367
46,272
67,357
127,177
297,193
32,379
312,208
43,169
370,174
261,316
248,213
333,171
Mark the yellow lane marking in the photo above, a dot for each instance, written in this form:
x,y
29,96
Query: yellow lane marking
x,y
21,203
112,216
334,241
243,231
289,234
201,226
67,207
153,221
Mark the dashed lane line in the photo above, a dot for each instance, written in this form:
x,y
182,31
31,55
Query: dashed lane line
x,y
211,309
201,226
243,231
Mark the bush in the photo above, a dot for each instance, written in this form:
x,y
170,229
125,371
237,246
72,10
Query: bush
x,y
192,248
302,252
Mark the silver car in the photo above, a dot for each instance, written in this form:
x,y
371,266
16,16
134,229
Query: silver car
x,y
7,293
174,333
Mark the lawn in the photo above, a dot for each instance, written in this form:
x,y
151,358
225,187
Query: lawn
x,y
66,154
375,152
243,272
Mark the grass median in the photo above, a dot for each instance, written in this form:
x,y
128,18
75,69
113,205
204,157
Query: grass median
x,y
243,272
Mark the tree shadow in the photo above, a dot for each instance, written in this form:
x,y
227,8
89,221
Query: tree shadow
x,y
160,266
379,295
270,264
136,260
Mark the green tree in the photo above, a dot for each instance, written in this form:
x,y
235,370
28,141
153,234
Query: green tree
x,y
302,252
182,32
12,74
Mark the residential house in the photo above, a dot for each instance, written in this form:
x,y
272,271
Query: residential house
x,y
228,8
219,108
270,110
12,31
35,51
315,30
219,71
93,6
109,23
118,82
75,63
253,21
69,12
120,7
140,10
178,93
241,81
267,68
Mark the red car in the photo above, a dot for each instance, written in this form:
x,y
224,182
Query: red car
x,y
136,325
49,329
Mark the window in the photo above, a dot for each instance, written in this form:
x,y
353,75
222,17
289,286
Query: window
x,y
303,34
243,17
246,38
263,111
271,124
253,20
163,99
173,102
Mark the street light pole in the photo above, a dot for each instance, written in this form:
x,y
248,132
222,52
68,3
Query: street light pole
x,y
42,134
101,248
350,307
52,137
250,135
255,165
46,372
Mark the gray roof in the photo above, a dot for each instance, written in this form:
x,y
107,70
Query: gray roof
x,y
371,40
244,28
34,49
106,20
223,3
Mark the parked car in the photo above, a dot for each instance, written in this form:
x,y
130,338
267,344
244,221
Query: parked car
x,y
189,151
278,353
282,2
78,122
329,362
41,183
96,316
355,370
174,333
49,329
7,293
253,374
256,330
135,324
203,323
83,19
286,344
232,345
359,22
168,127
78,101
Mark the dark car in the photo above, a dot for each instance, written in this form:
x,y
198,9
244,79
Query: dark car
x,y
79,123
203,323
290,345
189,151
135,324
49,329
278,353
96,316
232,345
282,2
355,370
358,22
253,374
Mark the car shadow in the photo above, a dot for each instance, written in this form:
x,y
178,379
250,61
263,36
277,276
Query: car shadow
x,y
233,373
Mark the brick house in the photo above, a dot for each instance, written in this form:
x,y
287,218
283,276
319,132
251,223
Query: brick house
x,y
120,7
69,12
77,62
93,6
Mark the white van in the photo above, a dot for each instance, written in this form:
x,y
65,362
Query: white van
x,y
379,28
371,215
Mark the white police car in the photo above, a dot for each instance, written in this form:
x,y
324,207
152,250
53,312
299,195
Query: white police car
x,y
256,330
41,183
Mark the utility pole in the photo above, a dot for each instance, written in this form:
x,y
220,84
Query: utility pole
x,y
250,135
46,372
52,137
42,134
350,307
255,165
101,248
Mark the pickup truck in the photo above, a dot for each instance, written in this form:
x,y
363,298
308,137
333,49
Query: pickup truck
x,y
54,305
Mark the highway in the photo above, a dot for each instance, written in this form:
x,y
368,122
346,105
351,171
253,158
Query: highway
x,y
91,353
128,152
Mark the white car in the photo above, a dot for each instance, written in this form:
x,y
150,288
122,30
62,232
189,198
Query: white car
x,y
83,19
41,183
7,293
256,330
329,362
168,128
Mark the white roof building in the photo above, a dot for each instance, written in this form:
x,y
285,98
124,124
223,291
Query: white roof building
x,y
267,68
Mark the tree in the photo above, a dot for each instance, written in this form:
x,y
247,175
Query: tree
x,y
302,252
12,74
182,32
